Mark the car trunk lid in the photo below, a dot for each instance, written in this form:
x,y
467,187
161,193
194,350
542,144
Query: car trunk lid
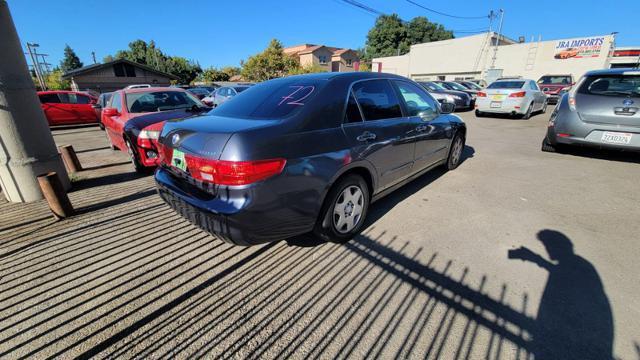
x,y
610,110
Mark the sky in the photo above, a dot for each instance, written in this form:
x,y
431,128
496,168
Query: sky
x,y
220,33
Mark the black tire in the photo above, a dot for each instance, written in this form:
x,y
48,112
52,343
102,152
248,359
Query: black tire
x,y
547,147
325,227
140,169
455,152
544,107
527,115
479,113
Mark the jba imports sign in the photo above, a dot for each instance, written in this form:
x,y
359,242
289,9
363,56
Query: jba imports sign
x,y
579,48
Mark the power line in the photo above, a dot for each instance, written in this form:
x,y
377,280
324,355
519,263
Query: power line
x,y
364,7
445,14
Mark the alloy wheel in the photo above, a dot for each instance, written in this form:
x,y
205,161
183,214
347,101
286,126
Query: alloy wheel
x,y
348,209
456,152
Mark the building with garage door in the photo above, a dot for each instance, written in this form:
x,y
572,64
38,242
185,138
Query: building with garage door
x,y
478,57
115,75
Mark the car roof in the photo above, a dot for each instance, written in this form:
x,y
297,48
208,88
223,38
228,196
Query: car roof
x,y
354,75
143,90
615,71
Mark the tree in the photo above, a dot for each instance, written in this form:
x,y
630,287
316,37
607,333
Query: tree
x,y
231,71
388,37
55,82
212,74
420,30
391,36
71,61
269,64
309,69
149,54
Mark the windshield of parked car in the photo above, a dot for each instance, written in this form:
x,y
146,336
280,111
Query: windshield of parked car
x,y
506,85
143,102
199,91
611,85
240,89
274,99
431,86
456,86
472,86
554,79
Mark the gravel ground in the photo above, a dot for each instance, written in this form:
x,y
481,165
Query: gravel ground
x,y
430,277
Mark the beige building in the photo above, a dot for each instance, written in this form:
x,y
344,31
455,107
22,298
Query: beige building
x,y
326,57
476,57
115,75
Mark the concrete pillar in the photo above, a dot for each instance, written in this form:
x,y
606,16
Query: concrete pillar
x,y
27,148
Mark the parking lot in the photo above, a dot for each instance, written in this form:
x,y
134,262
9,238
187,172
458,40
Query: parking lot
x,y
430,276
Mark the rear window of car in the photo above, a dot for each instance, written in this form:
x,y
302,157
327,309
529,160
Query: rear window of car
x,y
49,98
611,85
274,99
559,80
240,89
143,102
506,85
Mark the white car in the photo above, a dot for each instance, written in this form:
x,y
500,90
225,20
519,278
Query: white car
x,y
223,94
513,96
138,86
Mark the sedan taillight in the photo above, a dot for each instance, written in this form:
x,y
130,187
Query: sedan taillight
x,y
518,94
224,172
481,94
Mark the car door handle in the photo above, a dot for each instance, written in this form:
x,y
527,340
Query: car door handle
x,y
421,128
365,136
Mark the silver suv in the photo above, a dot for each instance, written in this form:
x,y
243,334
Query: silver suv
x,y
602,110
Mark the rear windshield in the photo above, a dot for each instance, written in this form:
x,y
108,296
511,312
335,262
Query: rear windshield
x,y
143,102
611,85
559,80
506,85
274,99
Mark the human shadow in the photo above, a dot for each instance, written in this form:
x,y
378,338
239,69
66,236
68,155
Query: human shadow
x,y
574,318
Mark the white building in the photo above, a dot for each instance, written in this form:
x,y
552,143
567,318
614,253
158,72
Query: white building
x,y
476,57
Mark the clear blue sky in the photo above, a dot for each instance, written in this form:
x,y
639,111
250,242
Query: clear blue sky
x,y
223,32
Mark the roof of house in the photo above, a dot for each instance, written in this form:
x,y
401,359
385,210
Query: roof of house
x,y
93,67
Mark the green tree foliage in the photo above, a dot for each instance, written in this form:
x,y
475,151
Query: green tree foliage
x,y
55,82
231,70
269,64
71,61
149,54
309,69
213,74
391,36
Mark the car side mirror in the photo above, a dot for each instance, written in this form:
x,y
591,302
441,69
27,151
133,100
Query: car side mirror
x,y
447,107
110,112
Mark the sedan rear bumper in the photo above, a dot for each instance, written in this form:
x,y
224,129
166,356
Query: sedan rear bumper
x,y
240,217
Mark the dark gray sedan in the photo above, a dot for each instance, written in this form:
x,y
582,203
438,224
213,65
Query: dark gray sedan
x,y
602,110
304,153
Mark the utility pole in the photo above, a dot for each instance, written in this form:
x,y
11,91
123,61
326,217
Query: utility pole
x,y
497,42
27,149
36,68
93,55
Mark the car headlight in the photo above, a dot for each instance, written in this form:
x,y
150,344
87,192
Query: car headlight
x,y
449,98
456,97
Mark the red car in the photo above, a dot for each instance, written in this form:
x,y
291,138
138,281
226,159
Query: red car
x,y
133,119
554,85
68,107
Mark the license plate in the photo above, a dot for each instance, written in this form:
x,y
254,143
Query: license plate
x,y
495,104
616,137
178,161
497,97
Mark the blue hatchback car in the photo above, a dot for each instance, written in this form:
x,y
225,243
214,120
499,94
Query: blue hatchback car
x,y
303,154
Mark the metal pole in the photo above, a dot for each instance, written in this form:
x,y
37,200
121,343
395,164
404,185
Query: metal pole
x,y
93,55
27,148
497,42
36,68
